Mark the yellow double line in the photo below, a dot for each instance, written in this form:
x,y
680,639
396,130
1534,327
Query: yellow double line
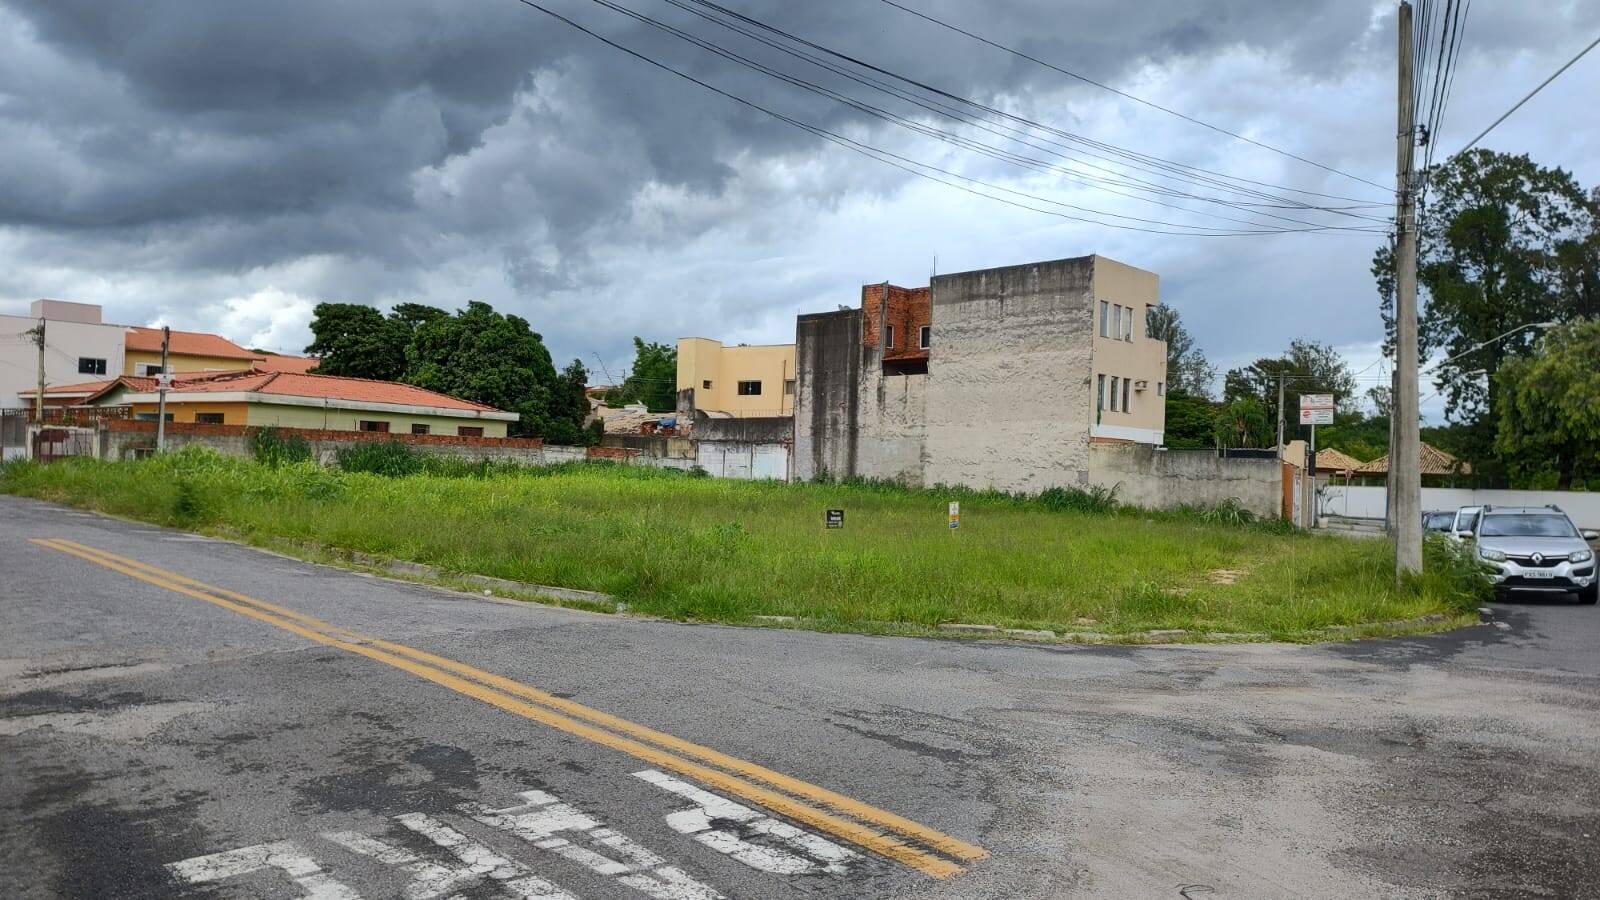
x,y
843,817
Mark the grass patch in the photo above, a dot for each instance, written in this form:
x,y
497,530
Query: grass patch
x,y
674,545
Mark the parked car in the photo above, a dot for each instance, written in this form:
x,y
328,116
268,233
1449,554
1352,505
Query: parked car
x,y
1466,522
1536,549
1438,520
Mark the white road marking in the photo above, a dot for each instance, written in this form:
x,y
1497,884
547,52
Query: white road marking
x,y
430,879
819,854
542,816
283,855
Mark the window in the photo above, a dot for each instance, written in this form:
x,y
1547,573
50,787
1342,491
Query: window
x,y
924,337
888,337
419,428
1105,322
147,370
1114,393
788,387
149,417
1116,321
1161,389
1127,324
369,425
749,388
705,385
208,418
88,365
469,430
1100,394
1125,383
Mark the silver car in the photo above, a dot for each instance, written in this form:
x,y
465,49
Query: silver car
x,y
1536,549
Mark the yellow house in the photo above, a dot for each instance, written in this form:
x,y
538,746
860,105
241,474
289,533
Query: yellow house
x,y
743,380
1129,367
293,400
187,351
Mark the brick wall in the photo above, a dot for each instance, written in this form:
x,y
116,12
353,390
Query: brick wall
x,y
909,309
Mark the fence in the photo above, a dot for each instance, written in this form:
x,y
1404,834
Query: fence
x,y
1370,502
13,434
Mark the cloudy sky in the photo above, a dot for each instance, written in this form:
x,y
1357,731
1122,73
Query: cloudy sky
x,y
226,166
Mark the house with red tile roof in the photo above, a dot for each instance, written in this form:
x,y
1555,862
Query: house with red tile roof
x,y
295,400
187,351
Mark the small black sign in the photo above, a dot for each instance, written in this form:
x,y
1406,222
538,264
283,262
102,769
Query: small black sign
x,y
835,518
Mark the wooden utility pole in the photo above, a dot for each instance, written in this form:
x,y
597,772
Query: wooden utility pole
x,y
38,396
161,393
1405,454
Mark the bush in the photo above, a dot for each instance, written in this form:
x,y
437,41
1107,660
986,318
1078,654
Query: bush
x,y
271,448
1227,512
1096,499
1452,566
391,459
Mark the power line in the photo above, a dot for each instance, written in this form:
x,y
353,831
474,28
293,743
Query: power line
x,y
1507,114
888,158
1125,94
1156,165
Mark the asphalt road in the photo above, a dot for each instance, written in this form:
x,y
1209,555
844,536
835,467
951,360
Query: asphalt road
x,y
164,732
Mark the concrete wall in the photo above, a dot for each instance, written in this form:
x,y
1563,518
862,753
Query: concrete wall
x,y
1147,476
744,459
65,342
1368,502
1009,390
753,429
664,446
828,356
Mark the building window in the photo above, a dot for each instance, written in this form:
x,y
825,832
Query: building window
x,y
1115,381
924,337
149,417
1105,311
419,428
208,418
88,365
749,388
1127,324
888,337
1161,389
469,431
1125,406
705,385
788,387
147,370
1116,321
369,425
1100,394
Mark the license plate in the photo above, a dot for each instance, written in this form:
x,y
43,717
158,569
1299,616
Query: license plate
x,y
1538,573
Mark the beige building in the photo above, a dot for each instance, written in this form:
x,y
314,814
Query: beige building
x,y
743,380
995,378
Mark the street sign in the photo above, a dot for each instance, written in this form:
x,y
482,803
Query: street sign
x,y
835,518
955,514
1316,409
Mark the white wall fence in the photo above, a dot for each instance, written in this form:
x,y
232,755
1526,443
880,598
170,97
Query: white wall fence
x,y
1368,502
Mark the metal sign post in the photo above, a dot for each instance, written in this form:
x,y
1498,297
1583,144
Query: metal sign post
x,y
955,515
1315,409
834,518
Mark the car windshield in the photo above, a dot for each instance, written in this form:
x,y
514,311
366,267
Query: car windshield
x,y
1438,521
1528,525
1466,521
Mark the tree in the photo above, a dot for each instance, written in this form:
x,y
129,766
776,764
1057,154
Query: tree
x,y
1548,433
356,341
1504,243
1243,422
1317,369
1190,421
569,406
653,380
1187,368
483,356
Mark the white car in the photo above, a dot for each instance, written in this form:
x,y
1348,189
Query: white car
x,y
1466,522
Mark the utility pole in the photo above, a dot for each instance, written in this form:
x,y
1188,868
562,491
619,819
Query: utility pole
x,y
1388,477
161,392
1282,478
1405,454
38,396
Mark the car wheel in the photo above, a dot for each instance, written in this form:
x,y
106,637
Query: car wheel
x,y
1590,594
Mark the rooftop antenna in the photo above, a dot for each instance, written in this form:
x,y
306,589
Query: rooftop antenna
x,y
935,264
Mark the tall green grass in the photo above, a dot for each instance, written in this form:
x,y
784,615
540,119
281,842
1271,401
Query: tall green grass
x,y
712,549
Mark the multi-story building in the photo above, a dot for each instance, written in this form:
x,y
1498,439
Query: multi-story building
x,y
78,347
995,378
743,381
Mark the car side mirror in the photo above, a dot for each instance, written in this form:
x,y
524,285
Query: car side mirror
x,y
1464,535
1590,534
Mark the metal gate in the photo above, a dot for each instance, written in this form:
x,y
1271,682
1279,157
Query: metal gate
x,y
51,444
13,434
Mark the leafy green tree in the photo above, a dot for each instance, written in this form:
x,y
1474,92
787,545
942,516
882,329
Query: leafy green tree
x,y
1502,243
1190,421
653,380
569,406
1549,429
1187,368
483,356
1316,369
1243,422
356,341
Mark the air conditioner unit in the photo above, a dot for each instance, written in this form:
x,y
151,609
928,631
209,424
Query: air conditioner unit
x,y
1140,385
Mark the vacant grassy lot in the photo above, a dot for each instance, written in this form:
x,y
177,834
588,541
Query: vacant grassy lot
x,y
700,548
